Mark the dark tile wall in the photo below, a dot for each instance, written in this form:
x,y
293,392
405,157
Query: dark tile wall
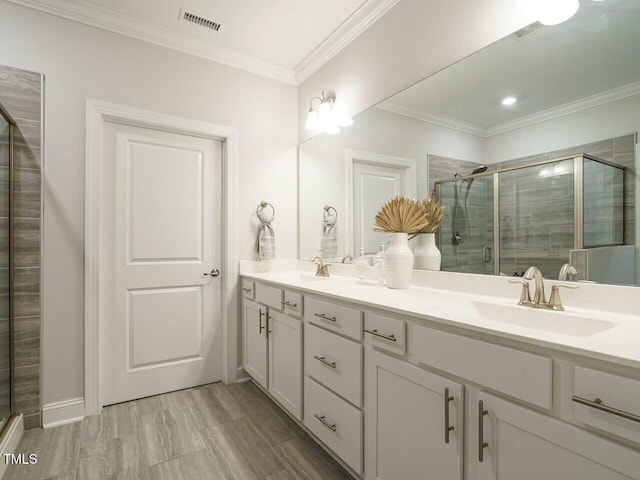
x,y
21,95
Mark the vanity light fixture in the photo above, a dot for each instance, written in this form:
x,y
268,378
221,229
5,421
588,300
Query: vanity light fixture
x,y
551,12
327,117
509,101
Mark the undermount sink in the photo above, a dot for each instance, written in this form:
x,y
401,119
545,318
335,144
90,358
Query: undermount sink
x,y
300,277
563,323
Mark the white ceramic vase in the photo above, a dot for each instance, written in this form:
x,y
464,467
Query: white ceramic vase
x,y
398,261
427,255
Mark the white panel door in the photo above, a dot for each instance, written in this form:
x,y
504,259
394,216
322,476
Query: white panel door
x,y
524,445
161,318
285,361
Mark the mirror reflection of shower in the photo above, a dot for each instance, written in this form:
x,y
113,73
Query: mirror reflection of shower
x,y
460,217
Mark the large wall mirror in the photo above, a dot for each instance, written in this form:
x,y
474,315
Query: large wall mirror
x,y
548,179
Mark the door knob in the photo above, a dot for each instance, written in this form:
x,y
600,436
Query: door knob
x,y
213,273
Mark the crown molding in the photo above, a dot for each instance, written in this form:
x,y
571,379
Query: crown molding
x,y
567,109
434,118
165,37
358,22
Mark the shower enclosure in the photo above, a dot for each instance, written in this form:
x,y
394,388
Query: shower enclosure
x,y
504,221
6,191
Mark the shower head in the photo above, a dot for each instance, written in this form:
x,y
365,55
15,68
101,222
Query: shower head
x,y
479,169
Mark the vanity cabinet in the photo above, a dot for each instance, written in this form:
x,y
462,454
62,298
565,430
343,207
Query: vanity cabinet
x,y
413,423
272,348
519,443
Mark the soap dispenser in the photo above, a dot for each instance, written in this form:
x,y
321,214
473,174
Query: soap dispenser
x,y
378,264
361,264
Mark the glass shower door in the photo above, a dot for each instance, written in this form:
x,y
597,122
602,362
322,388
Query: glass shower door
x,y
5,298
466,238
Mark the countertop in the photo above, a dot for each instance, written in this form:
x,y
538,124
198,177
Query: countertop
x,y
610,337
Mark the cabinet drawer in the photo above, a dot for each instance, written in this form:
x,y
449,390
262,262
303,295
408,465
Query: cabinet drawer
x,y
248,289
344,320
335,422
606,390
268,295
292,303
386,333
520,374
335,362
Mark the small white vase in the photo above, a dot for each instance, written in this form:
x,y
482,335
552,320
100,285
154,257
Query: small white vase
x,y
427,255
398,261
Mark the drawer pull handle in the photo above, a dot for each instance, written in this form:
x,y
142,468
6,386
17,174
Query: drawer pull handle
x,y
290,304
325,361
325,317
325,423
598,405
481,443
391,337
248,290
447,427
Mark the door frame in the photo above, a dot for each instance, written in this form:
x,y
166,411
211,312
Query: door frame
x,y
359,156
97,113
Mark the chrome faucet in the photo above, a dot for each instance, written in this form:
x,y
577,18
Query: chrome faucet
x,y
323,268
566,271
539,300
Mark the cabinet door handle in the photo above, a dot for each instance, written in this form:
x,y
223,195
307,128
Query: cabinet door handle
x,y
325,423
325,317
260,327
325,361
248,290
268,323
391,337
598,405
447,427
290,304
481,443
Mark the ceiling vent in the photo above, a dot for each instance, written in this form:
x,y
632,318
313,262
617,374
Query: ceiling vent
x,y
201,21
529,29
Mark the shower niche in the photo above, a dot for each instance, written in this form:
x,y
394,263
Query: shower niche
x,y
548,213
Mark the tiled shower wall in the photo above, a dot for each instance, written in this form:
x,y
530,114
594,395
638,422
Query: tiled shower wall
x,y
21,95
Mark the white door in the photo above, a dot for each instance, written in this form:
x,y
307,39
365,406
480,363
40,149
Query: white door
x,y
405,434
160,301
285,361
528,446
254,348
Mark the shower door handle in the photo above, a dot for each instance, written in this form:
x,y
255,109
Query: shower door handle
x,y
486,254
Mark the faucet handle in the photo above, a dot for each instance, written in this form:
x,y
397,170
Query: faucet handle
x,y
525,295
554,301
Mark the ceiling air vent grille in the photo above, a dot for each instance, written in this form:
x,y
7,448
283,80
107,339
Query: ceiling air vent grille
x,y
528,30
201,21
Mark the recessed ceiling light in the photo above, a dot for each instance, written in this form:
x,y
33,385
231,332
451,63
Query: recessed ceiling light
x,y
509,101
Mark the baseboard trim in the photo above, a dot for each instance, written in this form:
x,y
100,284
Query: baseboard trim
x,y
242,375
61,413
10,440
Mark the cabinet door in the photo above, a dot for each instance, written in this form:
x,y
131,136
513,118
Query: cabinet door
x,y
254,324
285,361
529,446
405,422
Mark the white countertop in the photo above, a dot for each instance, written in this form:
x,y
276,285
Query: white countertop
x,y
612,337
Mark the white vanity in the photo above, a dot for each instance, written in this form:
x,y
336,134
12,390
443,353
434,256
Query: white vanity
x,y
423,383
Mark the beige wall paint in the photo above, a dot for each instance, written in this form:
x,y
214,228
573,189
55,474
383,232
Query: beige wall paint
x,y
82,62
415,39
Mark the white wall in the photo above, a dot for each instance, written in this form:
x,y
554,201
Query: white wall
x,y
82,62
413,40
323,163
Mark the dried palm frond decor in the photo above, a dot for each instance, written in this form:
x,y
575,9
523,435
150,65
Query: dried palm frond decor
x,y
399,217
427,255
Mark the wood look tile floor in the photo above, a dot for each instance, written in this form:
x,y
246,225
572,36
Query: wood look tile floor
x,y
211,432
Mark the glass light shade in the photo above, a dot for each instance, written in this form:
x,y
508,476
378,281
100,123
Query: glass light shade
x,y
551,12
312,121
